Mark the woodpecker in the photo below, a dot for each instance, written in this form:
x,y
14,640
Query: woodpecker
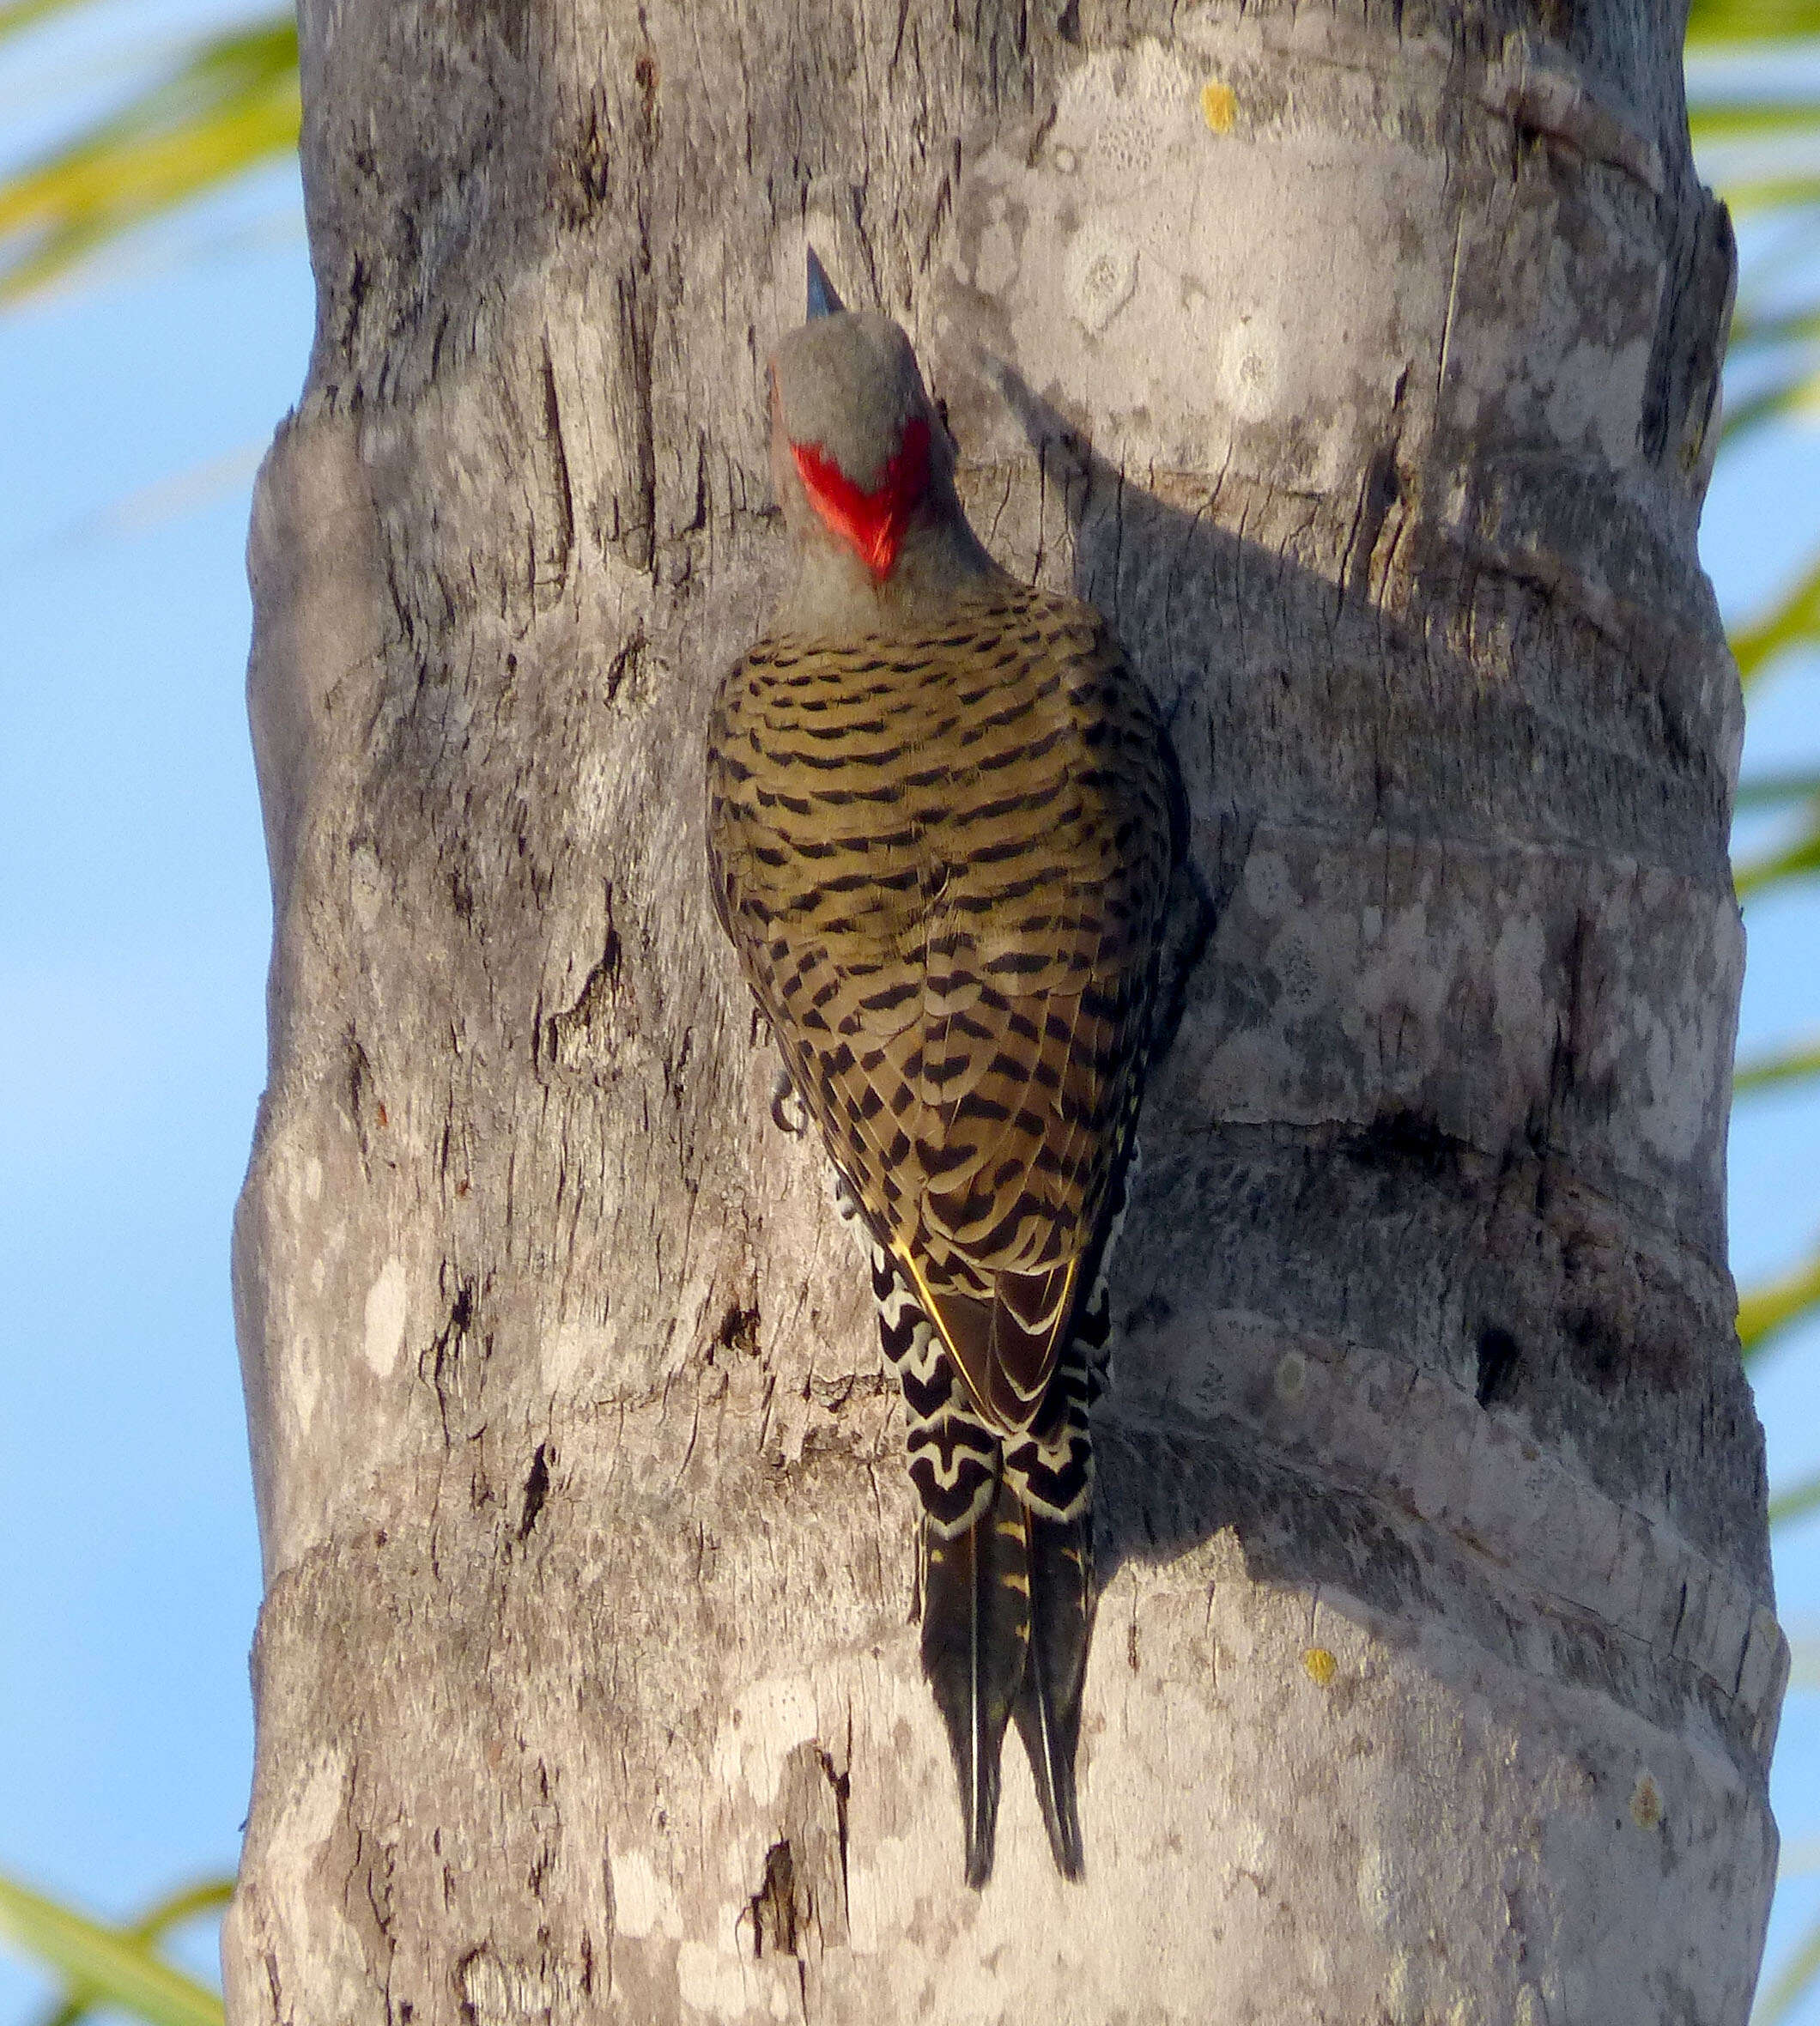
x,y
942,821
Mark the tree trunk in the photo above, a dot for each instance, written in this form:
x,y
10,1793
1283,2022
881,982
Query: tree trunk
x,y
1361,366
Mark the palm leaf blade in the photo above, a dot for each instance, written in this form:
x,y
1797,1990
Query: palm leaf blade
x,y
1769,1072
1765,1311
231,104
112,1965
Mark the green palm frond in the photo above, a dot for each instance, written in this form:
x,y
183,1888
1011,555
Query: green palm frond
x,y
1794,621
1757,132
1783,399
1771,1072
1711,22
1765,1311
113,1966
230,104
1798,859
1770,189
17,15
1730,118
209,1898
1798,1499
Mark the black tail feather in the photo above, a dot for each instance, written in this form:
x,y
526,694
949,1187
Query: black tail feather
x,y
1007,1615
1059,1558
976,1632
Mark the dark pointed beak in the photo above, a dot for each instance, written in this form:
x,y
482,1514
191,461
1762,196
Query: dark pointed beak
x,y
823,301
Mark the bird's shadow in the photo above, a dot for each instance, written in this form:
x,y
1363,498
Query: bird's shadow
x,y
1192,602
1299,704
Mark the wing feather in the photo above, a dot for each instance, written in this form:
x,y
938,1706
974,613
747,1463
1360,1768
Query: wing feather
x,y
951,916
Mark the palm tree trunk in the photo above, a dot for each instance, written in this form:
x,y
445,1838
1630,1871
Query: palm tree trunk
x,y
1361,366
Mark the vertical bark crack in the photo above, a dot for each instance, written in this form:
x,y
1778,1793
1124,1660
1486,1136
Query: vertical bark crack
x,y
537,1489
564,539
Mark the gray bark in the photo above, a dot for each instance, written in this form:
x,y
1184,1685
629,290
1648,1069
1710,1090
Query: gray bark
x,y
1361,365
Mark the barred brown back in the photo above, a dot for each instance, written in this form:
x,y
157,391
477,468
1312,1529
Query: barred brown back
x,y
943,859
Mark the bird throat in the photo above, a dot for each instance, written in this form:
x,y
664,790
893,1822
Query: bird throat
x,y
872,524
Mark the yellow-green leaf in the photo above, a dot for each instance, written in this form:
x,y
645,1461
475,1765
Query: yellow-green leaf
x,y
1710,22
1791,861
1799,1497
231,104
1766,1311
185,1904
1769,1072
1795,620
18,15
116,1966
1749,193
170,1912
1782,397
1719,119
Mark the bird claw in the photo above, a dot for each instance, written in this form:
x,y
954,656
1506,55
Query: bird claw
x,y
788,1112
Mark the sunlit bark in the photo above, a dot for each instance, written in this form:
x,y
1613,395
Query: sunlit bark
x,y
1360,366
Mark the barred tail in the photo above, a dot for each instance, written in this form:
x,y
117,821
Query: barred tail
x,y
1058,1555
1007,1615
1008,1597
976,1637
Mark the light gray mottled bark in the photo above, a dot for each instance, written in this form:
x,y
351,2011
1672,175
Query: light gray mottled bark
x,y
1361,365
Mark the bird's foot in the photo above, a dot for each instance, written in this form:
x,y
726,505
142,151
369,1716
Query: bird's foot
x,y
788,1112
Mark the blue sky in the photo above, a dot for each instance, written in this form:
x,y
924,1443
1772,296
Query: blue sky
x,y
133,933
134,923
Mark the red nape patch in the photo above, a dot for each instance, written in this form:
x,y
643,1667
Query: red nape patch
x,y
874,521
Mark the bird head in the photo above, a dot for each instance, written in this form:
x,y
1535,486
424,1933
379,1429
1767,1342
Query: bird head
x,y
860,457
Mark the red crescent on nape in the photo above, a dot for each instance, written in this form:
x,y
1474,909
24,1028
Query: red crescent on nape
x,y
874,521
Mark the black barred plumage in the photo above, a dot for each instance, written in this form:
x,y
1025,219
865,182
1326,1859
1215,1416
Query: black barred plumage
x,y
942,821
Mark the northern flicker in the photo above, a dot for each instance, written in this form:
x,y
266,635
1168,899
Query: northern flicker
x,y
943,817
